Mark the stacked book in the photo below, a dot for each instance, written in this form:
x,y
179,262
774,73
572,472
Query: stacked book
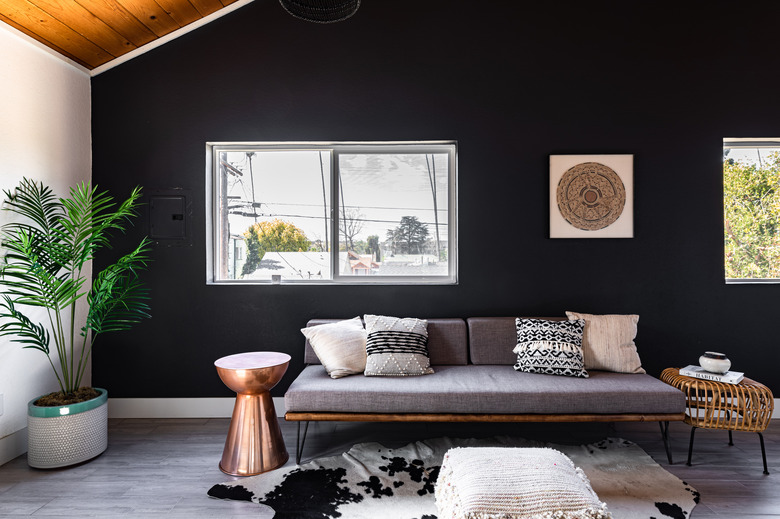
x,y
730,377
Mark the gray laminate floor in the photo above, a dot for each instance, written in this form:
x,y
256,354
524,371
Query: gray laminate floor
x,y
163,468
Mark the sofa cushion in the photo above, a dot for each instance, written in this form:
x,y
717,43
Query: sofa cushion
x,y
396,346
447,342
492,339
483,389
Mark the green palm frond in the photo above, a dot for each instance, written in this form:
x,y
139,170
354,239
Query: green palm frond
x,y
91,216
35,202
22,329
118,299
45,250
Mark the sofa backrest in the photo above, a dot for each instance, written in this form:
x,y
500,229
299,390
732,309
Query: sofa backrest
x,y
447,342
492,339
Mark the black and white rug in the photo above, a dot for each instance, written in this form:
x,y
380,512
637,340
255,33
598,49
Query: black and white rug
x,y
371,481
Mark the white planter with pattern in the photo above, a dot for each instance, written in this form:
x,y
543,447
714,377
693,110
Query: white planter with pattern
x,y
67,434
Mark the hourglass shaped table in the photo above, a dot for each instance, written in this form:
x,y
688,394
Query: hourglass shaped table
x,y
254,442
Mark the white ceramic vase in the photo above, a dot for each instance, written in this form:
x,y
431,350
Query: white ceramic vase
x,y
715,362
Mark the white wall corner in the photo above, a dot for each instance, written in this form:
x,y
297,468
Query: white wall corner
x,y
45,135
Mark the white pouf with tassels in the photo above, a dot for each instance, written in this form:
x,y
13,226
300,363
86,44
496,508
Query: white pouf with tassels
x,y
66,435
514,483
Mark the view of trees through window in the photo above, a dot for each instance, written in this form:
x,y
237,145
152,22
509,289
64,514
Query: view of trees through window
x,y
275,212
751,187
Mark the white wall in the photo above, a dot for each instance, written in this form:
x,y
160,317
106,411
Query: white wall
x,y
44,135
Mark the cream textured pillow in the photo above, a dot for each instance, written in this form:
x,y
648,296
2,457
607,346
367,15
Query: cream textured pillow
x,y
608,342
341,346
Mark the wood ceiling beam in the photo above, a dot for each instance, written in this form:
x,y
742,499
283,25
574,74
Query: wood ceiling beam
x,y
120,19
87,24
180,10
149,13
44,41
48,30
94,32
206,7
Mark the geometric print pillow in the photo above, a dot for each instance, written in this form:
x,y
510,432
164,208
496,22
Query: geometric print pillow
x,y
396,347
550,347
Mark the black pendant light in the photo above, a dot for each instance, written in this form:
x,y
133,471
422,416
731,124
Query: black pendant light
x,y
321,11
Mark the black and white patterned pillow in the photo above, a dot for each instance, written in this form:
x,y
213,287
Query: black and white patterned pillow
x,y
550,347
396,346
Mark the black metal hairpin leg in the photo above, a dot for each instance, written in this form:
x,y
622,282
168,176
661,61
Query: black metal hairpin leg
x,y
728,419
763,453
299,442
690,446
665,436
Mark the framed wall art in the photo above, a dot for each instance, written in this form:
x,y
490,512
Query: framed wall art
x,y
591,196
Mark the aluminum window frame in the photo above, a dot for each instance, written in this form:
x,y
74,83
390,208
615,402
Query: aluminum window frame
x,y
448,147
736,143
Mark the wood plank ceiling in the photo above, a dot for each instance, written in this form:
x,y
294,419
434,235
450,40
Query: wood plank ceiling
x,y
93,32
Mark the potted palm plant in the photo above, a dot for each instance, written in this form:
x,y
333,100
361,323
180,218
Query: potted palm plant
x,y
46,246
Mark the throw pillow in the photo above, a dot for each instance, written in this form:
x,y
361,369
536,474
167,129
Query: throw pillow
x,y
396,346
341,346
550,347
608,342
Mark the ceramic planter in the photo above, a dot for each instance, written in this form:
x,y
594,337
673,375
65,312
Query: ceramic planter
x,y
67,434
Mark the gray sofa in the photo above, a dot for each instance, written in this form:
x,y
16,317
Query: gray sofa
x,y
474,380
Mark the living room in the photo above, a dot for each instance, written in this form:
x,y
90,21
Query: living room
x,y
512,85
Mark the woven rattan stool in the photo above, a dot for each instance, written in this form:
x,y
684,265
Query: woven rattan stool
x,y
746,406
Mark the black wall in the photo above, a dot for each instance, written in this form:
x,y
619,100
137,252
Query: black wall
x,y
513,85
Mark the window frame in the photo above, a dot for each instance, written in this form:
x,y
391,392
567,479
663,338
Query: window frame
x,y
737,143
213,149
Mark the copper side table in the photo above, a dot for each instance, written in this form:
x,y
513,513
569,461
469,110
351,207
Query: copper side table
x,y
746,406
254,442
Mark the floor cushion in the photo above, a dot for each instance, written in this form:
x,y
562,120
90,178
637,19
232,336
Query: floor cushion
x,y
514,483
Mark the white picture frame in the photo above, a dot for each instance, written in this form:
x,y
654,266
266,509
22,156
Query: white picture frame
x,y
590,196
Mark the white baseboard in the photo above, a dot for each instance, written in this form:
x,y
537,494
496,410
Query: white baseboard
x,y
13,445
177,407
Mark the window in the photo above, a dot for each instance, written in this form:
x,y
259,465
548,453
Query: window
x,y
332,213
751,189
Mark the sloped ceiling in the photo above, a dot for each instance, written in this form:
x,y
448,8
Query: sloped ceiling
x,y
94,32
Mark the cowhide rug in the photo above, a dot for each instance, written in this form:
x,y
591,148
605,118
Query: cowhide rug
x,y
371,481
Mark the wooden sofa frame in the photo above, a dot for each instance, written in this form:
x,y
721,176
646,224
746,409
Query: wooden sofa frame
x,y
662,419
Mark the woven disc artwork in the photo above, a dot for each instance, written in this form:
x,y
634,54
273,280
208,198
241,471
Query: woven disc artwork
x,y
591,196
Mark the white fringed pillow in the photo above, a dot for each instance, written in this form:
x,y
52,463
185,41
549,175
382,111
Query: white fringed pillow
x,y
396,347
340,346
514,483
608,342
